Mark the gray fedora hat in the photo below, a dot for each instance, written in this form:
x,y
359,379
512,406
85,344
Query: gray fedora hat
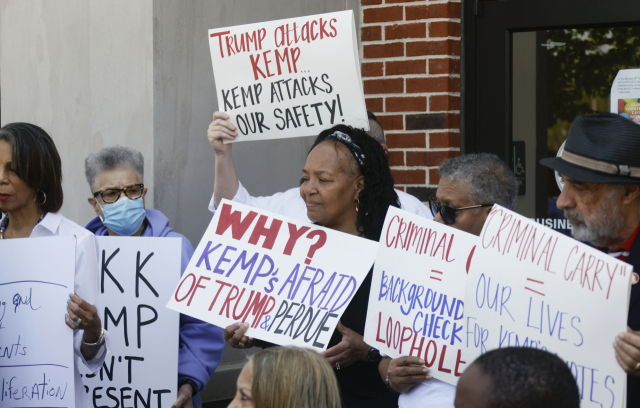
x,y
600,148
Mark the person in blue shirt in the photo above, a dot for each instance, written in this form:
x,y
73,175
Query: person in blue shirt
x,y
116,178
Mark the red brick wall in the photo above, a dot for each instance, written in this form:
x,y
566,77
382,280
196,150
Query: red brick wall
x,y
411,74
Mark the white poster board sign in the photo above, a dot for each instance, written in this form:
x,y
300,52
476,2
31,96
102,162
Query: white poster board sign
x,y
289,280
289,78
625,94
416,305
37,359
137,277
530,286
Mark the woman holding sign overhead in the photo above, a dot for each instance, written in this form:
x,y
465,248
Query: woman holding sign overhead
x,y
30,198
116,176
347,186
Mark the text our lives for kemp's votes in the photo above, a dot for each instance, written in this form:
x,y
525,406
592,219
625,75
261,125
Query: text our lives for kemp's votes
x,y
289,280
289,78
530,286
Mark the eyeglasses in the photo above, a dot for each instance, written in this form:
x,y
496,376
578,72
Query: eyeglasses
x,y
448,213
111,195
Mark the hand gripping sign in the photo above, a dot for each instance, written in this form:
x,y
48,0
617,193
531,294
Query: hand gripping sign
x,y
530,286
416,305
289,78
291,281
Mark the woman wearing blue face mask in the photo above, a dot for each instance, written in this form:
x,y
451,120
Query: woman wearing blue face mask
x,y
115,176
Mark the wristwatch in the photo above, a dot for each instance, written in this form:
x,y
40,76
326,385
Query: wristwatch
x,y
374,355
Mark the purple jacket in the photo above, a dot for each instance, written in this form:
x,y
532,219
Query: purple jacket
x,y
201,343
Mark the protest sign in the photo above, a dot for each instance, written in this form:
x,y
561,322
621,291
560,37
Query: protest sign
x,y
625,94
289,280
289,78
416,303
137,277
530,286
37,358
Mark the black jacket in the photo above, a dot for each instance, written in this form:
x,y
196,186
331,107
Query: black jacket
x,y
633,382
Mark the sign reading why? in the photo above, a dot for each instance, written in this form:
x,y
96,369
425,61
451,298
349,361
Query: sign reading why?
x,y
416,305
37,359
289,78
137,276
530,286
289,280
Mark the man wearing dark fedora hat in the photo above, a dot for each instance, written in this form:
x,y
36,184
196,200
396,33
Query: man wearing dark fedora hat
x,y
600,166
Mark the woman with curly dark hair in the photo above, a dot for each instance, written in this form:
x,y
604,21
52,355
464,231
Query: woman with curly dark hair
x,y
347,186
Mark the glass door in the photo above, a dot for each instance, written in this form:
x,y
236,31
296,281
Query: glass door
x,y
558,75
529,68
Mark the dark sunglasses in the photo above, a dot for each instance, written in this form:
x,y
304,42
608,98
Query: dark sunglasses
x,y
448,213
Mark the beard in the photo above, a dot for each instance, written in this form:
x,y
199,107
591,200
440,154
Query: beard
x,y
604,226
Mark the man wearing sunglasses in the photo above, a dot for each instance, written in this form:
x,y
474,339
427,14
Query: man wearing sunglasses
x,y
469,186
115,176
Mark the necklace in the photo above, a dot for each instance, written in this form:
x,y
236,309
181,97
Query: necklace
x,y
5,223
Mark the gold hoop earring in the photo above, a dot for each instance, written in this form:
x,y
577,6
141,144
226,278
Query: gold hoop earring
x,y
43,201
357,205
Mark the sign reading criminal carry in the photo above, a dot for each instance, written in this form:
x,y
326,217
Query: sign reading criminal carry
x,y
416,305
530,286
137,277
289,280
37,359
289,78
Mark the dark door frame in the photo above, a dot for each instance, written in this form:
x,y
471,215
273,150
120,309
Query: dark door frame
x,y
488,27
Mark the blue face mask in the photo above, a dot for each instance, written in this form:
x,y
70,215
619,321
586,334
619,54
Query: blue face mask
x,y
124,217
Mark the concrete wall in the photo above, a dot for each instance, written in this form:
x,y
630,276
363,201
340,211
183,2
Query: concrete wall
x,y
82,70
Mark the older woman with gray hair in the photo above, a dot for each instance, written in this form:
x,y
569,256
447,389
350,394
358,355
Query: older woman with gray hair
x,y
469,186
116,178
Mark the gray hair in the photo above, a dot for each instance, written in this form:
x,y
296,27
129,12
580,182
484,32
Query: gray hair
x,y
489,179
111,158
376,131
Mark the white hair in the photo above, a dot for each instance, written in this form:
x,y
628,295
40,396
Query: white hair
x,y
489,179
111,158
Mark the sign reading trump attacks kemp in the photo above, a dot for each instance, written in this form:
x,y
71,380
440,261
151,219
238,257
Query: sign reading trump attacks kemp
x,y
36,363
137,276
416,305
530,286
289,78
289,280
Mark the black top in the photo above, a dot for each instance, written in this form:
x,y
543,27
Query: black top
x,y
360,383
633,382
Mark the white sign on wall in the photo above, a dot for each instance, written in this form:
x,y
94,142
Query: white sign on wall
x,y
416,305
289,280
137,276
530,286
289,78
37,358
625,94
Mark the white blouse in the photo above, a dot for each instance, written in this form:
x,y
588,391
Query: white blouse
x,y
290,204
85,285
